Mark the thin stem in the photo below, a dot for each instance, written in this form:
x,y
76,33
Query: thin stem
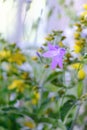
x,y
41,86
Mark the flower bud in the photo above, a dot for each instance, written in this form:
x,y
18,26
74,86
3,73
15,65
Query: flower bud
x,y
81,74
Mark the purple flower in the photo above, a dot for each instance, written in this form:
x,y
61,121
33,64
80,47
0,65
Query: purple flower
x,y
57,54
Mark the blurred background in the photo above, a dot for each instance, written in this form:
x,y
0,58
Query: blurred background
x,y
27,22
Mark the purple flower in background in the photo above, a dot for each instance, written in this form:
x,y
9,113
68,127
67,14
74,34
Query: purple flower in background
x,y
57,54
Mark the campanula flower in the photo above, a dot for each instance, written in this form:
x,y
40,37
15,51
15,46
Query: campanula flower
x,y
57,54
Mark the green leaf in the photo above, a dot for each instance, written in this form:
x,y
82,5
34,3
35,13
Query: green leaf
x,y
56,78
51,87
70,96
61,125
66,107
53,76
80,88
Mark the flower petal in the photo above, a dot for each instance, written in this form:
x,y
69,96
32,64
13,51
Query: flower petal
x,y
49,54
51,47
54,63
56,46
59,61
62,52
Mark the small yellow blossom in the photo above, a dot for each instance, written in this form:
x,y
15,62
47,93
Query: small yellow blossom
x,y
36,98
77,66
18,58
76,35
81,74
34,58
79,29
37,95
77,48
29,124
5,54
61,44
84,14
11,69
78,42
81,42
17,84
77,24
24,75
34,101
85,6
49,38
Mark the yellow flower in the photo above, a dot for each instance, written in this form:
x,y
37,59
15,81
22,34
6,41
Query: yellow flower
x,y
24,75
84,14
36,98
77,48
49,38
37,95
76,35
78,42
81,74
77,66
34,101
61,44
77,25
17,84
85,6
18,58
11,69
4,54
34,58
29,124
